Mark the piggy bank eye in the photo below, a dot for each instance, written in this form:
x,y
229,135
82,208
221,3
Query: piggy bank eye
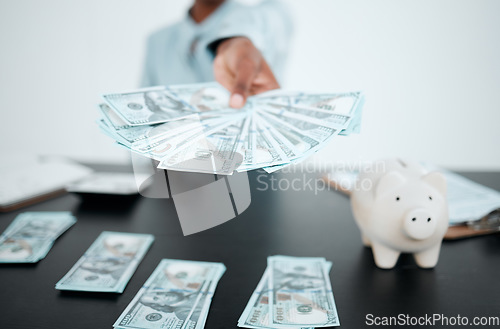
x,y
397,198
430,198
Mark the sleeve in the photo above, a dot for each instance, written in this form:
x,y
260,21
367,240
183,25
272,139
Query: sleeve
x,y
268,25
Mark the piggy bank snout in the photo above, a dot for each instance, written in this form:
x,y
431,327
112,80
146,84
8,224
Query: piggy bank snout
x,y
419,224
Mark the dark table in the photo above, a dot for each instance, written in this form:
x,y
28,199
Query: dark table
x,y
466,281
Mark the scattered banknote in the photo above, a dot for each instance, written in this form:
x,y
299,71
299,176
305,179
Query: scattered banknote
x,y
191,127
294,292
31,235
108,264
177,295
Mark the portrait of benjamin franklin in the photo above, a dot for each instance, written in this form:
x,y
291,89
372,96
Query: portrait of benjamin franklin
x,y
15,249
112,266
35,229
296,281
162,106
172,302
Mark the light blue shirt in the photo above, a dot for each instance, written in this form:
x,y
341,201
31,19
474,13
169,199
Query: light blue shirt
x,y
179,53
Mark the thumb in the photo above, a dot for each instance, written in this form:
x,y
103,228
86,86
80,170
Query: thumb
x,y
244,75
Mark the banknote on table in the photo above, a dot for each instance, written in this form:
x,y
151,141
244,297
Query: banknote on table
x,y
108,264
31,235
191,127
177,295
300,293
256,313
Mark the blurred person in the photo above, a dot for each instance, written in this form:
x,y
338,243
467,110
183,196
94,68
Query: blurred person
x,y
243,47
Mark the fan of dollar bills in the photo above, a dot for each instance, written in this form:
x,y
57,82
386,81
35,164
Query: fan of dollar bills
x,y
191,128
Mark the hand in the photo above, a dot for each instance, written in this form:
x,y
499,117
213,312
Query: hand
x,y
241,68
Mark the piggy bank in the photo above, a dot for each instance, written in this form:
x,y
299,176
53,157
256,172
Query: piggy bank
x,y
401,207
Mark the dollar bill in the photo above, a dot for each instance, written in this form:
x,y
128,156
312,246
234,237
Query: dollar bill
x,y
347,104
256,313
247,141
216,153
314,129
287,148
215,150
176,295
322,117
111,119
300,293
176,140
31,235
339,103
265,152
303,141
203,97
138,136
198,132
108,264
147,106
308,141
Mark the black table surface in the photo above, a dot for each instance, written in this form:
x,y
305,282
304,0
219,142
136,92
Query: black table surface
x,y
303,222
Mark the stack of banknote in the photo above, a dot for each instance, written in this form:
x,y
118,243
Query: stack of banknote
x,y
108,264
31,235
176,296
294,292
192,128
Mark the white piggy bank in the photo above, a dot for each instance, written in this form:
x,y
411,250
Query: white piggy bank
x,y
400,207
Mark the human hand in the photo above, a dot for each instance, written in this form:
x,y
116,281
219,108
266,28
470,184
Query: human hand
x,y
241,68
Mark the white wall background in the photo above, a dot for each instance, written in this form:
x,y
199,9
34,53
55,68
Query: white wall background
x,y
430,71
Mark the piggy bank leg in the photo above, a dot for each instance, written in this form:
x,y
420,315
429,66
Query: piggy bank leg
x,y
366,241
428,258
384,257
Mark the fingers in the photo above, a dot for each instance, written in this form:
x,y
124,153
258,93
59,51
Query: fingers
x,y
234,75
237,101
245,72
241,68
264,81
222,74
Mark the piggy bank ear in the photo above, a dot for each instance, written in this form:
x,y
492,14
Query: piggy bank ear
x,y
388,182
436,180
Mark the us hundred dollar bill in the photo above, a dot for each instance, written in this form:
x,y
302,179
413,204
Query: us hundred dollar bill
x,y
31,235
147,106
108,264
256,313
300,293
191,127
177,295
